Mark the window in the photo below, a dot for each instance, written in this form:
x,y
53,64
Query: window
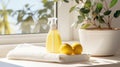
x,y
25,20
64,26
25,16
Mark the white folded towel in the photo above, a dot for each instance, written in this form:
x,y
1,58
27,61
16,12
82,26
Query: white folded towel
x,y
38,53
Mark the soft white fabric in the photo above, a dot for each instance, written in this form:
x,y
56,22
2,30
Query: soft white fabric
x,y
38,53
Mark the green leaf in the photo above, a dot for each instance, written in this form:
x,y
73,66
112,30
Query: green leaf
x,y
20,16
85,10
42,11
1,12
82,14
113,3
100,19
108,12
117,14
87,4
94,14
99,7
67,1
84,26
77,1
27,5
72,8
44,1
80,19
9,11
29,18
55,0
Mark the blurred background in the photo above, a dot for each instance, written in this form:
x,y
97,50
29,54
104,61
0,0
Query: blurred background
x,y
25,16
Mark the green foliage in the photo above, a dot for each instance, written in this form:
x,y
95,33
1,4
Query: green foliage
x,y
113,3
55,0
67,1
107,12
29,18
117,14
84,26
95,12
72,8
25,17
80,19
77,1
99,7
85,10
87,4
44,1
100,19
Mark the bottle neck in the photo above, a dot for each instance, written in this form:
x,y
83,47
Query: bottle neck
x,y
53,28
52,22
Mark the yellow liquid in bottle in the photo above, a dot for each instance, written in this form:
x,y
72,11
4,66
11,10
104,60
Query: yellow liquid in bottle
x,y
53,41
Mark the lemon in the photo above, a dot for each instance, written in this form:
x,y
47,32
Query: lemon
x,y
66,49
77,48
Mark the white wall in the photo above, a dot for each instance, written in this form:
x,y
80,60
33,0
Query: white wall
x,y
64,21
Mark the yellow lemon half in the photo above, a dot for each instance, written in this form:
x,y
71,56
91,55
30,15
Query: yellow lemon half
x,y
77,48
66,49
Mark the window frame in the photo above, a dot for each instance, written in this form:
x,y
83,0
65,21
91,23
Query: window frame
x,y
24,38
64,27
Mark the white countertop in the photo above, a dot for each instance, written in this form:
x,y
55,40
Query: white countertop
x,y
113,61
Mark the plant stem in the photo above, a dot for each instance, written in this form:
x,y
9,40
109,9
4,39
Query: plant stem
x,y
109,18
93,23
106,5
99,27
105,20
104,8
109,26
109,23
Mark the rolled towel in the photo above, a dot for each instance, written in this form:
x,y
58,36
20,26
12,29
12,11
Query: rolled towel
x,y
38,53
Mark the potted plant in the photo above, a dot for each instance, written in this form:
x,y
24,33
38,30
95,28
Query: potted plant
x,y
43,15
34,21
95,18
24,18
